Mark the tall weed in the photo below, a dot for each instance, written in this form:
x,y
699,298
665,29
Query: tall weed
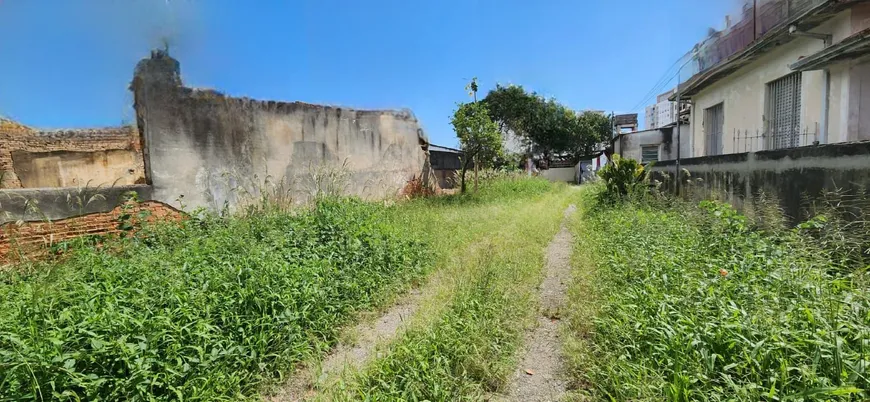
x,y
698,304
206,309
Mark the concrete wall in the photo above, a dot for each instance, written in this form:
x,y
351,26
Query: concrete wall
x,y
74,168
790,175
213,148
69,158
629,145
566,174
744,92
49,204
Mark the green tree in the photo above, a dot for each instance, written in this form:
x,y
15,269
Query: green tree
x,y
478,135
593,129
545,125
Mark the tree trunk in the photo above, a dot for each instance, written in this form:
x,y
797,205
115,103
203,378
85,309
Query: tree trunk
x,y
462,178
475,175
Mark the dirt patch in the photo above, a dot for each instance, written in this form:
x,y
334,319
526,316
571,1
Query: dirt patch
x,y
351,354
538,377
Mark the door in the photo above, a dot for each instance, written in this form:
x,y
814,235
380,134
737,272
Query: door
x,y
714,123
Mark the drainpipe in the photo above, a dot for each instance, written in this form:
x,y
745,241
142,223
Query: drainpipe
x,y
826,106
826,81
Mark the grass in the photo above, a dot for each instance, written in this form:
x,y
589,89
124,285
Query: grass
x,y
220,308
205,310
462,344
686,303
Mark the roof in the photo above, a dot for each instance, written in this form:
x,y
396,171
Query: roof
x,y
850,48
808,19
438,148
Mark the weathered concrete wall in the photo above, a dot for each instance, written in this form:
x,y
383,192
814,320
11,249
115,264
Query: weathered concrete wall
x,y
629,145
792,176
212,149
49,204
566,174
69,158
75,168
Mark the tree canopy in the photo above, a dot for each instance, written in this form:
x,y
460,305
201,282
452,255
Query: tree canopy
x,y
546,126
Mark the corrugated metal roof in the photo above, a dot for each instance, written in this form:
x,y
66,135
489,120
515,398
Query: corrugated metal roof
x,y
438,148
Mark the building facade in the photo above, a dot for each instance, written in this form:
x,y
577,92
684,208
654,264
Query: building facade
x,y
804,80
653,145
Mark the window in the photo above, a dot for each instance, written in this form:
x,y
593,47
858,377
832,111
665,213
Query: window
x,y
783,112
714,122
649,153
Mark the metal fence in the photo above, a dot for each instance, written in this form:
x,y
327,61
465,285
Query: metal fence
x,y
757,18
778,138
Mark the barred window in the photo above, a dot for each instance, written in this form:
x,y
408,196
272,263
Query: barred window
x,y
783,112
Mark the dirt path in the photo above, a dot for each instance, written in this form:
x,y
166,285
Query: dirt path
x,y
538,377
352,354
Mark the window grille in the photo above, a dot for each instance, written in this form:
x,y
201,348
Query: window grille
x,y
783,112
649,153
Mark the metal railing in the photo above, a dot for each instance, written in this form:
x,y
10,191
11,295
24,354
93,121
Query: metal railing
x,y
777,138
758,18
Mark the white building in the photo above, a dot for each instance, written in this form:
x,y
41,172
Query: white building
x,y
792,73
661,114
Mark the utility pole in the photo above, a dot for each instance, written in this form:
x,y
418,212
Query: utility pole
x,y
677,129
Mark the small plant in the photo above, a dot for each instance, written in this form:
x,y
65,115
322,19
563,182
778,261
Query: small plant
x,y
624,178
132,213
328,181
840,223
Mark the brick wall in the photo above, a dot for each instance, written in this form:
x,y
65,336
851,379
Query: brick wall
x,y
33,238
17,137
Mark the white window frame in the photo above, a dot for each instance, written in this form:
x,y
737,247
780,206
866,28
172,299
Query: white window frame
x,y
658,148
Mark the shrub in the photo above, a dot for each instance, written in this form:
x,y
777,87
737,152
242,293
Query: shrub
x,y
202,310
623,178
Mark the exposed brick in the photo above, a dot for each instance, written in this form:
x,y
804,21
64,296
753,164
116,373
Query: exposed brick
x,y
32,239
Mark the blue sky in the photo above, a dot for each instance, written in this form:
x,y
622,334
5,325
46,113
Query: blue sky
x,y
66,63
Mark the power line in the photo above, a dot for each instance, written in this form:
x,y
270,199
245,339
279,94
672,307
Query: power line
x,y
658,85
662,84
655,91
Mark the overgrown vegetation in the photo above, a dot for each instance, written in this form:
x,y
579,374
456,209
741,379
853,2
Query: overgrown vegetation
x,y
687,302
489,255
215,307
624,179
206,309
